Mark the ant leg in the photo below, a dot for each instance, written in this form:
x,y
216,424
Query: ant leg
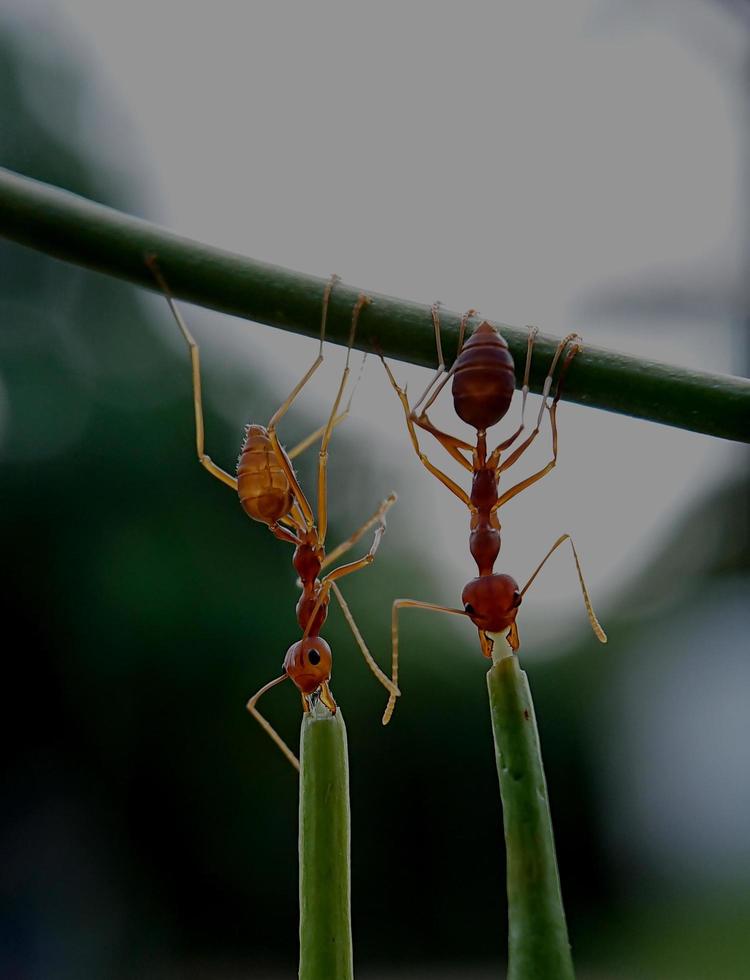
x,y
535,477
342,548
368,559
362,301
203,458
435,310
410,604
595,625
283,534
321,600
266,726
509,494
448,375
369,659
443,477
285,406
314,436
520,450
353,566
533,332
281,454
451,444
507,443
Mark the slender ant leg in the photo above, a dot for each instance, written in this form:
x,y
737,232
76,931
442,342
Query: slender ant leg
x,y
377,517
266,726
595,625
284,408
532,335
314,436
552,409
434,310
286,405
452,444
461,333
520,450
443,477
369,659
407,604
203,458
507,443
353,566
362,301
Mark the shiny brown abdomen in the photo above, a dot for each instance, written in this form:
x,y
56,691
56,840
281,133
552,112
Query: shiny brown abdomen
x,y
262,484
483,379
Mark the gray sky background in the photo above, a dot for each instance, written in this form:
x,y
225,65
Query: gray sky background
x,y
418,150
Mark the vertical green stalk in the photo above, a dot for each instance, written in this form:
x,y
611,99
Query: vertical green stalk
x,y
324,844
538,947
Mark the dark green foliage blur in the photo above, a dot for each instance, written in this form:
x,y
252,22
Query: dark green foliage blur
x,y
146,817
148,825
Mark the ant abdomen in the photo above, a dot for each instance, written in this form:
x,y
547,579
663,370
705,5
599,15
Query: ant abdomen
x,y
483,378
262,484
491,602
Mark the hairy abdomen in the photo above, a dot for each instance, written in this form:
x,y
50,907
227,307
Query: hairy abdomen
x,y
262,484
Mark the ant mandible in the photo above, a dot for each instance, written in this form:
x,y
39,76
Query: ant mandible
x,y
483,383
270,493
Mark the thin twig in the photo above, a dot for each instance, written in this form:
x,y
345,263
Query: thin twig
x,y
76,230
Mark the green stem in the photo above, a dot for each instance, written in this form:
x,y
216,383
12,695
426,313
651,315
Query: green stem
x,y
324,884
77,230
538,947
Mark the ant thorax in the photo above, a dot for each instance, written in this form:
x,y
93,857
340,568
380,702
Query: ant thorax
x,y
307,561
306,606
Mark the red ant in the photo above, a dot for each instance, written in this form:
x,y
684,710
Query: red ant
x,y
483,382
269,492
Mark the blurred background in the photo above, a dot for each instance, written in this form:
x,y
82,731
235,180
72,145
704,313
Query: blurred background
x,y
580,166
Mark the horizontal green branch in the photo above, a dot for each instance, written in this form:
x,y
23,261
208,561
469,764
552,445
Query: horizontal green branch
x,y
76,230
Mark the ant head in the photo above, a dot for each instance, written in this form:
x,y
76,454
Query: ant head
x,y
308,663
491,602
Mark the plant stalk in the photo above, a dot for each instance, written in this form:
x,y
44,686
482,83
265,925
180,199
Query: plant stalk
x,y
76,230
538,946
324,847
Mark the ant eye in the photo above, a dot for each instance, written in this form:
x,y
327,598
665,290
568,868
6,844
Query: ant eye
x,y
314,657
469,609
516,599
